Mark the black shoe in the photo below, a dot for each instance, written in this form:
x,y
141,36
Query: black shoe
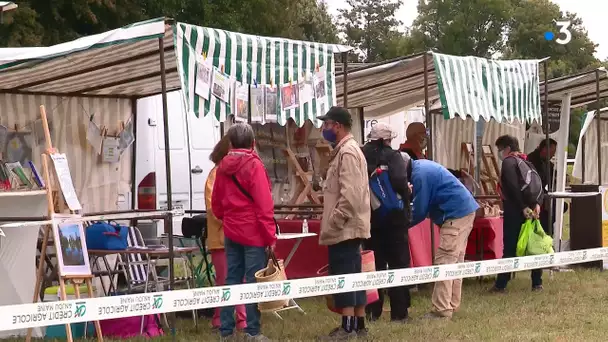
x,y
537,288
362,333
495,289
338,334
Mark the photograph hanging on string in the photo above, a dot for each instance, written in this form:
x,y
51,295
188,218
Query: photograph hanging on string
x,y
242,102
306,91
220,87
319,83
289,96
70,245
257,104
202,85
270,111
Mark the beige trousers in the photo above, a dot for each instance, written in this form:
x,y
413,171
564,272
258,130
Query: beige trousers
x,y
454,235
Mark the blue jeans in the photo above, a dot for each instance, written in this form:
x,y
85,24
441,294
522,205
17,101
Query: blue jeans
x,y
242,262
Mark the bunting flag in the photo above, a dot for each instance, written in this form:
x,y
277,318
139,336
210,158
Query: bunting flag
x,y
478,87
253,60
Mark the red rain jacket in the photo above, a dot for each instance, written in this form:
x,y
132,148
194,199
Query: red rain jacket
x,y
246,222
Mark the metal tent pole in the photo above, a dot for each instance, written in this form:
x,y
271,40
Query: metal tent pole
x,y
345,76
598,127
548,173
429,148
169,218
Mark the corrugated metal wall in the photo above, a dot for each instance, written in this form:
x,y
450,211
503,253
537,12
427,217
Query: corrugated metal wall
x,y
97,184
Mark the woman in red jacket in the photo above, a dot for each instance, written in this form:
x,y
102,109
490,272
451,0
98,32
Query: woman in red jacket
x,y
242,200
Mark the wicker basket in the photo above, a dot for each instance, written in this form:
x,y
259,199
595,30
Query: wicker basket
x,y
275,271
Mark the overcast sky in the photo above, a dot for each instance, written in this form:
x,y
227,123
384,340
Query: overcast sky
x,y
593,13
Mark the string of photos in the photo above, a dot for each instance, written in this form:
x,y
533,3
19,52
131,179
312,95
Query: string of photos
x,y
262,101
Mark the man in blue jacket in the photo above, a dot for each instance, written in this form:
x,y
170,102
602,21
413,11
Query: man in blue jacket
x,y
442,197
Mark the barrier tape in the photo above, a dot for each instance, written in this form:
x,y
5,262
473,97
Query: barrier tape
x,y
22,316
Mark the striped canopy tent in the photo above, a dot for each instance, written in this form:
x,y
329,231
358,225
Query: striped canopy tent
x,y
256,61
456,86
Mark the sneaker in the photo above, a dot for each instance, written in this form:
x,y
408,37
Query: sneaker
x,y
495,289
338,334
363,333
258,337
229,338
537,288
403,320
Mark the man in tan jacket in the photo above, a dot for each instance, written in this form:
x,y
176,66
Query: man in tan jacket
x,y
346,217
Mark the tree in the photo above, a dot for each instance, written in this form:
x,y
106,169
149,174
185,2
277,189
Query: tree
x,y
371,27
48,22
461,27
531,19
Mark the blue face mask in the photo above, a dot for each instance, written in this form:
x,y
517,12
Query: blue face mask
x,y
329,135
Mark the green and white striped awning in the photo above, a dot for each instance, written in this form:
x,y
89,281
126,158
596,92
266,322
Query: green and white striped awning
x,y
478,87
253,60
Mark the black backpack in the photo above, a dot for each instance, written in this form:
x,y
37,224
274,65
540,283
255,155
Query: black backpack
x,y
531,183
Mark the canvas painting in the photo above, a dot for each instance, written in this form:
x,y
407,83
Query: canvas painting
x,y
71,247
289,96
270,112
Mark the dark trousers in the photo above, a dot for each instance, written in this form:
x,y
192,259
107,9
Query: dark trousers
x,y
345,258
391,251
512,220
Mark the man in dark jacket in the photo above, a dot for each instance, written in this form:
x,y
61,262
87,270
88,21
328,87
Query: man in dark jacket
x,y
389,239
538,158
516,207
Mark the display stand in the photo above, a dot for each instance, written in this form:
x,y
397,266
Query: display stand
x,y
51,201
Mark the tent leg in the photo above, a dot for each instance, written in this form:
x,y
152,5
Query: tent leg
x,y
169,216
549,175
598,127
345,75
429,149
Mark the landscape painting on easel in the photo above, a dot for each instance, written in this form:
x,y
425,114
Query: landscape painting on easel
x,y
72,255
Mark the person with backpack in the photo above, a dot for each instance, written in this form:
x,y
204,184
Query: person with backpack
x,y
522,193
242,200
451,206
390,217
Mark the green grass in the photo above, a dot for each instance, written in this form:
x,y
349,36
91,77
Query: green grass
x,y
571,308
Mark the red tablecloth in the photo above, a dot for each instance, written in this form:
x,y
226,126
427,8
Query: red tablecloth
x,y
310,256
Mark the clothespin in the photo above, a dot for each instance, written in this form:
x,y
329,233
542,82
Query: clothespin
x,y
204,55
271,85
317,67
222,68
290,82
255,82
91,117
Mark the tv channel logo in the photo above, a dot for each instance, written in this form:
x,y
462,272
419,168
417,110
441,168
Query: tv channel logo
x,y
564,35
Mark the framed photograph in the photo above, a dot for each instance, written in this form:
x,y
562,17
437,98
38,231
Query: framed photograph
x,y
270,110
289,96
242,102
70,246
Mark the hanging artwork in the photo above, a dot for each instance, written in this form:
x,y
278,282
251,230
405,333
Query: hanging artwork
x,y
220,87
241,101
3,137
289,96
306,91
319,83
18,147
203,79
64,177
257,104
94,136
270,110
126,137
109,151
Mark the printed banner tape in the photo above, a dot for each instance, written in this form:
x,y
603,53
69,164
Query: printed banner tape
x,y
13,317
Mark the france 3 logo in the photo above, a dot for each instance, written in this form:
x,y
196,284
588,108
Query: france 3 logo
x,y
564,36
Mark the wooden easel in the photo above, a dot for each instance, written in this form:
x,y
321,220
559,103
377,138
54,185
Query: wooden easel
x,y
489,173
51,200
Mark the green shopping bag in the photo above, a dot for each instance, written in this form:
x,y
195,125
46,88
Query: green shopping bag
x,y
524,236
533,240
